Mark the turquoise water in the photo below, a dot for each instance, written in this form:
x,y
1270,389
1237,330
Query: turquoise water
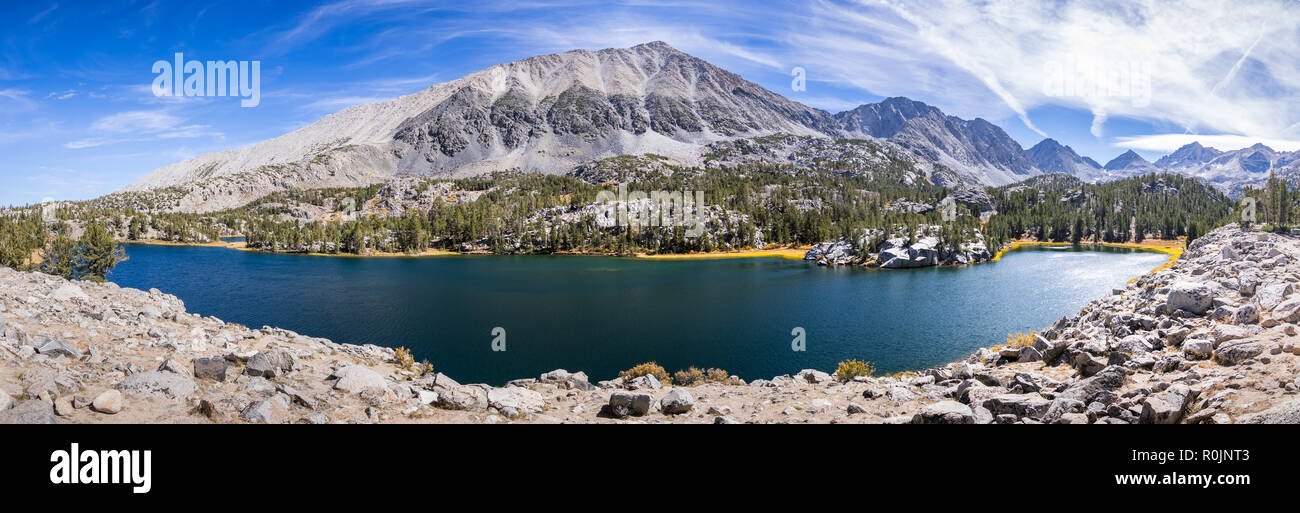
x,y
601,315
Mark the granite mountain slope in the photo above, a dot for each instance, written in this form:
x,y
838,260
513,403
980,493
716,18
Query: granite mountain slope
x,y
551,113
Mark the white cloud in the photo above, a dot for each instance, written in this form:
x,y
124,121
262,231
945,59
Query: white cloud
x,y
92,143
41,15
140,126
1202,65
322,19
150,121
17,96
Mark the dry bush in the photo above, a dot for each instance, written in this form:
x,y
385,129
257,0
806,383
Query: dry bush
x,y
849,369
402,357
1018,340
647,369
694,376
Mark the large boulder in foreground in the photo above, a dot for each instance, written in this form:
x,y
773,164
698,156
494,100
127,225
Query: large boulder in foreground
x,y
271,411
1190,297
1020,405
355,378
1237,351
623,404
1167,407
677,401
945,412
29,412
1285,413
515,401
162,384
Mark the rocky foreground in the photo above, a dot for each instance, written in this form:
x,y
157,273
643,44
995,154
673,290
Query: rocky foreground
x,y
1211,340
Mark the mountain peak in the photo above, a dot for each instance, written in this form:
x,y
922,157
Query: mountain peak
x,y
885,118
1188,156
545,113
656,44
903,100
1047,144
1051,157
980,151
1128,159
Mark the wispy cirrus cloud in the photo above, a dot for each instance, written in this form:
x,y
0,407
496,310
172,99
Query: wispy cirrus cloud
x,y
16,97
140,126
41,15
148,121
321,20
1202,66
1213,67
1222,73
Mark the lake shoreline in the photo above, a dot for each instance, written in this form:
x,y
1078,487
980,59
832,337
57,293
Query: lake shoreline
x,y
790,253
227,373
1171,248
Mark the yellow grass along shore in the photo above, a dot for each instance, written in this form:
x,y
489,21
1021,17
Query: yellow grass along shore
x,y
1173,248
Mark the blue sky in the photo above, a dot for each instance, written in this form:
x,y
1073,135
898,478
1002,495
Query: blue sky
x,y
78,118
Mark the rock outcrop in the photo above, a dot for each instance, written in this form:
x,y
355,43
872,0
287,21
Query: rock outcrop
x,y
899,251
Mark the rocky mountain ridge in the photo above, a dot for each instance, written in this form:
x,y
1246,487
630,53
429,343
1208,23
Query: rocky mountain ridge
x,y
551,113
978,151
1229,171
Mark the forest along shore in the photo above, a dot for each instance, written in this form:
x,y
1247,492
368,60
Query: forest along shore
x,y
1210,340
778,252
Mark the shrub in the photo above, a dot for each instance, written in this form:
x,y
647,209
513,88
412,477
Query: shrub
x,y
849,369
647,369
1018,340
402,357
689,377
694,376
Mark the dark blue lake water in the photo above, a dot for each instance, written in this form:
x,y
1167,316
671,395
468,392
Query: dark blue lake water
x,y
602,315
